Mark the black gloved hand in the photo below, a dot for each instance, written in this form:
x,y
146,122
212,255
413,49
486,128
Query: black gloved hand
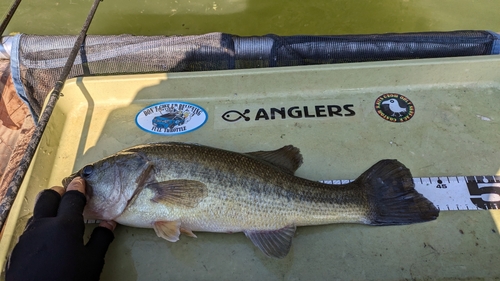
x,y
51,247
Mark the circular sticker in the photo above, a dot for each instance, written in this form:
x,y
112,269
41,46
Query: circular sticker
x,y
171,118
394,107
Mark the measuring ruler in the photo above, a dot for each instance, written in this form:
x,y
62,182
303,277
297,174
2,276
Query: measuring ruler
x,y
456,193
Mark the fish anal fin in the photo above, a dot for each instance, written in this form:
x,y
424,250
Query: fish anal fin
x,y
288,158
273,243
168,230
182,192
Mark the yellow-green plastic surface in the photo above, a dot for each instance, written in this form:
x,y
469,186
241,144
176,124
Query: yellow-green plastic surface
x,y
454,131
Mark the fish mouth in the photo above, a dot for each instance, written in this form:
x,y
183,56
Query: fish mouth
x,y
67,180
88,188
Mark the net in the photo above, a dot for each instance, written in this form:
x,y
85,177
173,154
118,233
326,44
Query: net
x,y
39,59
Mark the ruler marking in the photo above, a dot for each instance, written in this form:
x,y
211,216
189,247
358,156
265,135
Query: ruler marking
x,y
421,181
448,179
430,180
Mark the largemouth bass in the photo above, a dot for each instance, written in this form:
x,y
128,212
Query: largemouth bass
x,y
180,188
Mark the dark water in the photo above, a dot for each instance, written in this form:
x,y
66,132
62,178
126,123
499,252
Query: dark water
x,y
253,17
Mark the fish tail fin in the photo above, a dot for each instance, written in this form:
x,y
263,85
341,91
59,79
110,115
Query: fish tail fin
x,y
392,195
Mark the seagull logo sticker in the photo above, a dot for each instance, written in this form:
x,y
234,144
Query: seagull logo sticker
x,y
394,107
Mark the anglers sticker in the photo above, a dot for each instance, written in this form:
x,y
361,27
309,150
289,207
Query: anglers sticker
x,y
291,112
283,113
394,107
171,118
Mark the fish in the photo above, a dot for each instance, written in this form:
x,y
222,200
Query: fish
x,y
181,188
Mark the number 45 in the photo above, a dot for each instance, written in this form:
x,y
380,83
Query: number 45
x,y
441,184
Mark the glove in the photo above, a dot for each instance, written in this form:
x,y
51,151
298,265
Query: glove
x,y
51,247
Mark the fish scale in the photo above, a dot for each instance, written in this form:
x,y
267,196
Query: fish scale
x,y
228,169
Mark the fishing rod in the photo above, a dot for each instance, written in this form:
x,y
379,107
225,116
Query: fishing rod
x,y
9,16
13,188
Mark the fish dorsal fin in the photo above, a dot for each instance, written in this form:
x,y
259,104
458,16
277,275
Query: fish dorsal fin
x,y
274,243
168,230
288,158
182,192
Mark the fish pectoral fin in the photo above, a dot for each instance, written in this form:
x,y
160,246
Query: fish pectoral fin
x,y
274,243
183,192
168,230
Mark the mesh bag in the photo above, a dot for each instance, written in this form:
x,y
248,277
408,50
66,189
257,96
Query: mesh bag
x,y
41,58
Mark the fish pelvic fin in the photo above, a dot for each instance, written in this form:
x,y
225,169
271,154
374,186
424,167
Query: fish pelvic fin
x,y
273,243
287,158
392,195
168,230
188,232
187,193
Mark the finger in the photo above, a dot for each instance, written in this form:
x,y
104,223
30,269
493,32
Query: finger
x,y
47,204
77,184
72,204
73,201
99,241
58,189
111,225
96,248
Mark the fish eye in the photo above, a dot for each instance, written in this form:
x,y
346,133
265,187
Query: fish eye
x,y
87,171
